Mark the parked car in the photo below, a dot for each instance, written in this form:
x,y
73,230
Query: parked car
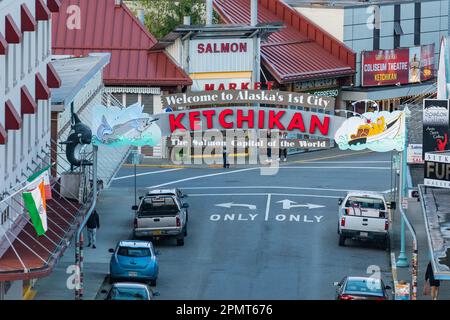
x,y
134,260
361,288
363,216
130,291
175,192
161,214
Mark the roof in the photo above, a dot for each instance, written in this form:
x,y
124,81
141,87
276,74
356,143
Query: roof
x,y
345,3
163,191
301,51
75,73
135,244
366,193
130,285
110,28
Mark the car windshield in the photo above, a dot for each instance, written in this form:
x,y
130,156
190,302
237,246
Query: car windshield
x,y
134,252
128,294
364,286
366,203
158,205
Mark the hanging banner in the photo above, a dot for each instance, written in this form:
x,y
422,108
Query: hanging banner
x,y
114,126
377,131
436,117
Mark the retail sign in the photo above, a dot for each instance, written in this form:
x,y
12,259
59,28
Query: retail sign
x,y
414,154
377,131
397,66
221,55
315,84
402,290
437,169
116,126
248,96
230,118
436,118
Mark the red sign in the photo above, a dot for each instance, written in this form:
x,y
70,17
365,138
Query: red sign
x,y
238,86
397,66
235,118
385,67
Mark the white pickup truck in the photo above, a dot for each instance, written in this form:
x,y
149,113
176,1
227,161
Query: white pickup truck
x,y
161,214
364,216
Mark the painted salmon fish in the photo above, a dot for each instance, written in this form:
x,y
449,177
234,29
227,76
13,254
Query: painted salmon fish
x,y
132,130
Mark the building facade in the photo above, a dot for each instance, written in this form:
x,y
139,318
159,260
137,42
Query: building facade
x,y
26,76
379,27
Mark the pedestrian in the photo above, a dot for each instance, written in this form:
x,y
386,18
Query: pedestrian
x,y
283,150
225,158
93,224
269,149
431,282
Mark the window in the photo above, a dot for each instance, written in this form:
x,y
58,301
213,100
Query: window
x,y
5,216
366,203
29,54
134,252
14,65
22,57
14,153
7,74
36,45
398,31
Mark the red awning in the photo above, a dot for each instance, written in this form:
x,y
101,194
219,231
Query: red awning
x,y
27,22
27,103
3,135
13,34
53,79
54,5
29,256
42,11
3,45
13,121
42,90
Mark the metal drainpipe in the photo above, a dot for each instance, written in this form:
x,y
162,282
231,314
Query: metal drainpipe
x,y
79,236
415,254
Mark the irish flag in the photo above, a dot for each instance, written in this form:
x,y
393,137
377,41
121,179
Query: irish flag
x,y
35,203
36,178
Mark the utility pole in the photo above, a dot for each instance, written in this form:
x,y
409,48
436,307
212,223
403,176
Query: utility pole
x,y
402,261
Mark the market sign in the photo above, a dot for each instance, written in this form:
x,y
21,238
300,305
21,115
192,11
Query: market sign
x,y
436,119
437,169
248,96
230,118
377,131
397,66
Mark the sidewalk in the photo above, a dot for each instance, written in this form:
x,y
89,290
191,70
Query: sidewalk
x,y
415,216
96,261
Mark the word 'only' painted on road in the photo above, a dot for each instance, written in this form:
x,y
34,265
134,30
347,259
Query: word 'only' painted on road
x,y
229,217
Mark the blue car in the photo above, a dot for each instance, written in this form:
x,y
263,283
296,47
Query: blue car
x,y
135,261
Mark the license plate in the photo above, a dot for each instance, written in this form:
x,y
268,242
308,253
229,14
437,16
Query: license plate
x,y
157,233
132,274
364,234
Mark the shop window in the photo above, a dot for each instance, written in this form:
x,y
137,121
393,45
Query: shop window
x,y
5,216
147,102
132,99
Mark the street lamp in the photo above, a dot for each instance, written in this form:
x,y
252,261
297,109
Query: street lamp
x,y
402,258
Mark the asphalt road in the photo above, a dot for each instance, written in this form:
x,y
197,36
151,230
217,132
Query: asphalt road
x,y
254,246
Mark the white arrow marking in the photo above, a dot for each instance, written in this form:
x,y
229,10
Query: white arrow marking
x,y
231,204
288,204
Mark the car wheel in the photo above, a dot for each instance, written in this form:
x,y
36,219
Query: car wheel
x,y
180,242
341,240
153,283
111,280
185,231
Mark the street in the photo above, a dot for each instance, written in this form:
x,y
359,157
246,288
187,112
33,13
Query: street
x,y
253,236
